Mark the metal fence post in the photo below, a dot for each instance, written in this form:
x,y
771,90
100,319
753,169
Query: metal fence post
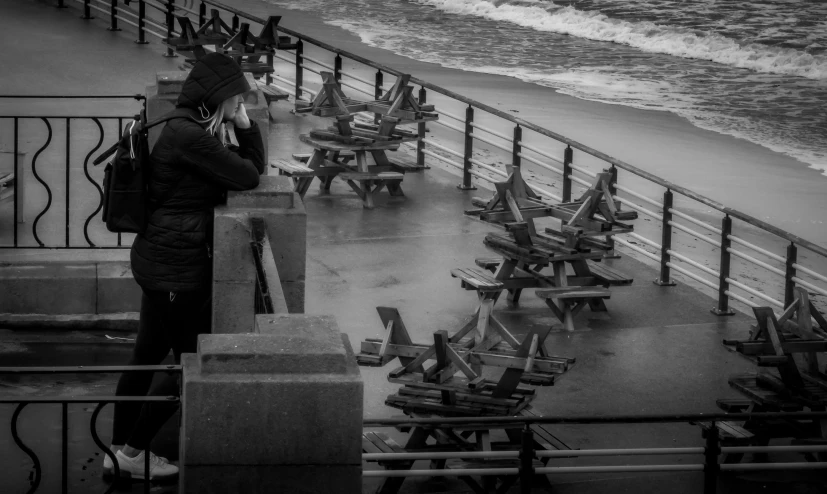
x,y
568,157
234,23
469,151
299,68
516,146
337,68
789,284
87,10
723,285
377,93
420,127
113,19
666,241
141,24
170,23
60,5
527,460
711,460
202,14
610,240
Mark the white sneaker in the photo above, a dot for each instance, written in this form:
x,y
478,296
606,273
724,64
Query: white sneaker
x,y
109,469
159,468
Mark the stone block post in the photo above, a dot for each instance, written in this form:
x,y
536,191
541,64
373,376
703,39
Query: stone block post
x,y
279,410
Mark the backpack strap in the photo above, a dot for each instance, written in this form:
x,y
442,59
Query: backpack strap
x,y
176,113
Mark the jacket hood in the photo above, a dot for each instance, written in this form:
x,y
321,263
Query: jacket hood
x,y
213,79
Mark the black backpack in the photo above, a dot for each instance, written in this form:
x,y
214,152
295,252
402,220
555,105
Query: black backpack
x,y
126,203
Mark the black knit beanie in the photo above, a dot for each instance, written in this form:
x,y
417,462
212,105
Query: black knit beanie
x,y
214,78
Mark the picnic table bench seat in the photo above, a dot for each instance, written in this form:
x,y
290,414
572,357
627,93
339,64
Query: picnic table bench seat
x,y
573,292
345,156
292,169
371,176
476,279
605,275
272,93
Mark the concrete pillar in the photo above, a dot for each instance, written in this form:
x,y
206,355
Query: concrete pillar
x,y
276,411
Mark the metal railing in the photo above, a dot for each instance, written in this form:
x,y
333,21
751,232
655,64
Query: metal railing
x,y
524,468
64,401
527,142
55,167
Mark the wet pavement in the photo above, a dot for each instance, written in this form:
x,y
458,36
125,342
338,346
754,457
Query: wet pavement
x,y
657,350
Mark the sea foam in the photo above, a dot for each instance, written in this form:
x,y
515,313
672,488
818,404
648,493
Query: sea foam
x,y
644,35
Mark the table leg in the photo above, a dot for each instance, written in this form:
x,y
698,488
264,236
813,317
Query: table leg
x,y
581,268
560,280
417,440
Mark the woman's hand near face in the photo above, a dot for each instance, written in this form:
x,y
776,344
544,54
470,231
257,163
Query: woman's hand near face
x,y
240,119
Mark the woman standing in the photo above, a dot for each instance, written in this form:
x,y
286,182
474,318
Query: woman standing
x,y
192,168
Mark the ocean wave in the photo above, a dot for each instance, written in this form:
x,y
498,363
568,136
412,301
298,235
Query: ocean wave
x,y
643,35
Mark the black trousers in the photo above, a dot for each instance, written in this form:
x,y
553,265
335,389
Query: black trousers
x,y
169,322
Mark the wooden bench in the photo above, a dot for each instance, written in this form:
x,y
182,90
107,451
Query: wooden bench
x,y
272,94
344,156
573,293
542,435
380,442
729,434
608,276
371,176
475,279
291,169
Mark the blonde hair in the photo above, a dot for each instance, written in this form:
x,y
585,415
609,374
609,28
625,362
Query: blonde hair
x,y
215,123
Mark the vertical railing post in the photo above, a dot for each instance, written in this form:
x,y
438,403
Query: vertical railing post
x,y
60,5
18,183
87,10
234,24
141,23
526,460
113,13
610,240
299,68
469,150
337,68
170,24
64,448
711,452
666,242
68,177
789,284
202,15
377,93
723,285
420,128
516,146
568,157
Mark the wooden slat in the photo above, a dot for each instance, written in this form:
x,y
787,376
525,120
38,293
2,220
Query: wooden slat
x,y
371,176
570,292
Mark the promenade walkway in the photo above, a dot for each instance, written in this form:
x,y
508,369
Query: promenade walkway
x,y
658,350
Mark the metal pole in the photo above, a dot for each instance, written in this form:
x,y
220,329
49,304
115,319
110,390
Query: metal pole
x,y
527,460
202,15
516,147
87,11
113,19
610,240
711,460
141,24
170,23
666,242
299,68
234,25
568,157
18,183
337,68
68,153
420,128
377,93
64,448
789,284
60,5
723,285
469,151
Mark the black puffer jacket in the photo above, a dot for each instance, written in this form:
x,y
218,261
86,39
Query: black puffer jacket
x,y
191,173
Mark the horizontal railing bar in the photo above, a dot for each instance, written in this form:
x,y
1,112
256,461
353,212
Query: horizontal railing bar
x,y
755,292
692,275
311,70
541,153
734,467
322,64
637,249
439,146
286,90
440,455
740,298
488,167
155,24
490,131
445,124
150,31
696,221
499,146
157,6
773,449
451,115
178,6
756,248
439,472
812,273
282,79
482,177
122,10
285,58
689,261
619,452
303,88
442,158
639,208
580,181
620,468
540,163
548,133
698,235
105,11
755,261
645,240
73,96
544,192
639,196
354,76
81,369
63,117
812,287
126,21
356,88
89,399
583,171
